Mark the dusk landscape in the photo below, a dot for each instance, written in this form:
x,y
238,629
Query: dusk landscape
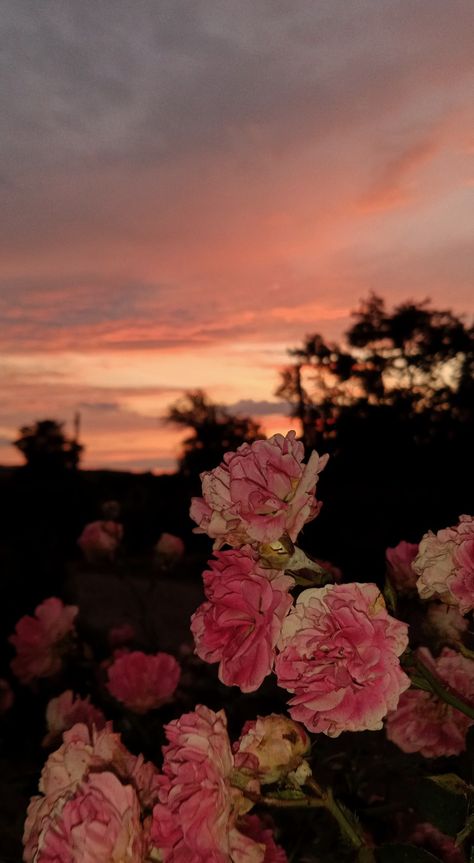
x,y
236,426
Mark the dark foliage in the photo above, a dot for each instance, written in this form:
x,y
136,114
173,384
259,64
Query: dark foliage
x,y
215,431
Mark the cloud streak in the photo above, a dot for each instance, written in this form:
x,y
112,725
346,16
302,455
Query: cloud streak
x,y
188,188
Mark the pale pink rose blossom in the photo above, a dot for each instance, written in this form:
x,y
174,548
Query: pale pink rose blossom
x,y
423,722
445,623
94,804
445,565
258,493
143,681
41,641
195,820
432,839
100,540
169,549
339,656
98,823
240,623
399,566
84,749
7,696
66,710
270,747
255,828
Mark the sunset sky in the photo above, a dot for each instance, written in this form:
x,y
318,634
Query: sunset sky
x,y
190,186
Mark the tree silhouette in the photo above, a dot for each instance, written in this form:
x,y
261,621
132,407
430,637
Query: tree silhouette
x,y
214,431
412,366
46,448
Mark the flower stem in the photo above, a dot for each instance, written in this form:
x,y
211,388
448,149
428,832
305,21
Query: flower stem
x,y
347,824
435,685
322,799
300,561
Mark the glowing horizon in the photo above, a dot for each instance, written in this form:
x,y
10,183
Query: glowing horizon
x,y
190,189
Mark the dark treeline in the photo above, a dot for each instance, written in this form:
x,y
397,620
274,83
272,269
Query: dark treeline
x,y
392,404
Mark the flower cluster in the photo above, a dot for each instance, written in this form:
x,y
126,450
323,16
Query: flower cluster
x,y
42,641
337,650
94,803
423,722
445,565
200,816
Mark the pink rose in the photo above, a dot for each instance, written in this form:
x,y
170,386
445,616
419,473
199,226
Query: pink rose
x,y
445,623
240,624
445,565
94,802
143,681
259,492
254,827
195,820
169,549
422,722
98,823
66,710
41,641
100,540
270,747
399,565
339,655
84,749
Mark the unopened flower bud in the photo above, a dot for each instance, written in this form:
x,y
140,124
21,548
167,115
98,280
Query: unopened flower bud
x,y
271,747
276,554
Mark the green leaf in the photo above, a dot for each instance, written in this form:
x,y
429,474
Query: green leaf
x,y
467,830
287,794
390,595
451,782
404,854
440,801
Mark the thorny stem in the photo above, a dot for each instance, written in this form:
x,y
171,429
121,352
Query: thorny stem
x,y
349,828
322,799
435,685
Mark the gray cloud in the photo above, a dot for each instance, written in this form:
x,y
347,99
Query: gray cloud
x,y
261,408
